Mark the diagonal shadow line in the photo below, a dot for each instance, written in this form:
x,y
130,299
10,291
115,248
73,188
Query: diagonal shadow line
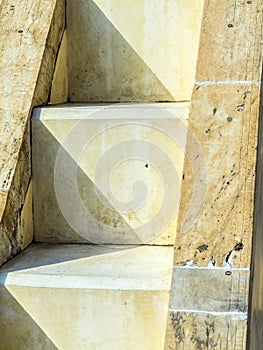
x,y
51,254
133,48
98,39
50,224
18,329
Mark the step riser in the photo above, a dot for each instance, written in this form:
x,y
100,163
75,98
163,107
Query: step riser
x,y
85,297
47,318
85,162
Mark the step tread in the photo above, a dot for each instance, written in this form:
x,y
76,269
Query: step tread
x,y
113,111
92,267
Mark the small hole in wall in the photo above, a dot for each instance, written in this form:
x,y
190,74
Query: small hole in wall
x,y
146,165
228,273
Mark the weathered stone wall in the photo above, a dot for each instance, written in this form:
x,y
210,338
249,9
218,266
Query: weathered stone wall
x,y
30,34
224,116
255,329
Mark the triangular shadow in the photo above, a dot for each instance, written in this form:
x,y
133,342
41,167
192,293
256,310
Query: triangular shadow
x,y
102,64
18,328
50,225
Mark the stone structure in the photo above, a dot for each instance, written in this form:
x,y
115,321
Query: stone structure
x,y
225,114
146,51
30,36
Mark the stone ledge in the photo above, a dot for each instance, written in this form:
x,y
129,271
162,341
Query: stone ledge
x,y
89,266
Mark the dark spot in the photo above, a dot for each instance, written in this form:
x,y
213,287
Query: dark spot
x,y
198,87
240,107
146,165
239,246
202,248
20,31
213,261
183,176
228,273
229,119
207,131
228,256
178,321
227,182
214,111
245,94
230,25
249,2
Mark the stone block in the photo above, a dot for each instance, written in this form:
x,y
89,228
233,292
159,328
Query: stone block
x,y
85,297
132,51
230,42
30,34
193,330
224,120
108,174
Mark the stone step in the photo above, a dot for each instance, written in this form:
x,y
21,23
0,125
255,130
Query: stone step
x,y
108,173
75,296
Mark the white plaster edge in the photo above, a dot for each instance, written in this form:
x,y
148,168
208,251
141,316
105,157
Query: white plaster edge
x,y
228,82
86,282
189,267
238,315
113,111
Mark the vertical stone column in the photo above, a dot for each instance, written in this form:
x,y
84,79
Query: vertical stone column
x,y
212,258
31,33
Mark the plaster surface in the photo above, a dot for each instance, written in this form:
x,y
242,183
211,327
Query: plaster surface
x,y
86,297
119,144
59,87
132,50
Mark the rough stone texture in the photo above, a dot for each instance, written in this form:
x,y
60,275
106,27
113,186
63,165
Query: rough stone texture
x,y
255,329
204,331
23,50
132,50
50,57
224,115
227,292
230,42
228,137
